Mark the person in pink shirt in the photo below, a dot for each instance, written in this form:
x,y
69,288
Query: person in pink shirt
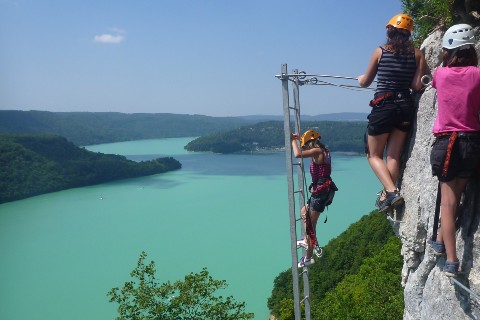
x,y
455,154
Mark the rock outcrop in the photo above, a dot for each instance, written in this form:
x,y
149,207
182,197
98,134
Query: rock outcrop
x,y
429,294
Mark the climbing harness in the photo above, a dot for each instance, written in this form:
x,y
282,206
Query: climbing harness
x,y
322,187
379,99
451,141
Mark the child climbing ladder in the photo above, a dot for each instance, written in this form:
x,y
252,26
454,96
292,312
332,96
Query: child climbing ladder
x,y
322,187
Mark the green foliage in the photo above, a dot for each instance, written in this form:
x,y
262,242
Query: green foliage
x,y
428,15
33,165
375,292
87,128
337,135
191,299
361,262
432,14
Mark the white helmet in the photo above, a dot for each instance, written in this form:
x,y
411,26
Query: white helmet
x,y
459,36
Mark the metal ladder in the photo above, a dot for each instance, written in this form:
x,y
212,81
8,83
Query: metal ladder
x,y
295,217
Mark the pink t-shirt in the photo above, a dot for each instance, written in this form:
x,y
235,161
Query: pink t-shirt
x,y
458,95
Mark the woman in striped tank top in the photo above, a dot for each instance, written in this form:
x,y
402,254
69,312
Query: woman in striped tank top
x,y
398,67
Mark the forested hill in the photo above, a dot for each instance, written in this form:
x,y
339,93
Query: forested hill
x,y
358,276
32,165
347,136
87,128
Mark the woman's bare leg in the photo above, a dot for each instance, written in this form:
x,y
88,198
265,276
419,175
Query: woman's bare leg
x,y
451,193
376,148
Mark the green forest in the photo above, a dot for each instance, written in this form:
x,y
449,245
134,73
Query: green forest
x,y
358,276
88,128
37,164
346,136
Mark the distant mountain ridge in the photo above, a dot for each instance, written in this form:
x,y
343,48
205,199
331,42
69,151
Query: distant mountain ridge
x,y
88,128
340,116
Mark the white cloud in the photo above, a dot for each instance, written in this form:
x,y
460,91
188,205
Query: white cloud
x,y
115,36
109,38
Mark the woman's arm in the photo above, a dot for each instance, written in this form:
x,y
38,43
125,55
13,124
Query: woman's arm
x,y
296,149
303,153
367,78
421,65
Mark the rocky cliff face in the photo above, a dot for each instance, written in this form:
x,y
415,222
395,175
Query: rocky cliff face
x,y
429,294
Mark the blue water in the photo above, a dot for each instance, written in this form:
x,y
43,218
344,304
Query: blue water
x,y
62,252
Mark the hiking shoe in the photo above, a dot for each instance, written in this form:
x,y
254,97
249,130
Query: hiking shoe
x,y
451,268
302,243
392,199
438,248
305,262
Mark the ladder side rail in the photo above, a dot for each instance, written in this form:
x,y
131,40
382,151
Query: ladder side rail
x,y
301,195
291,197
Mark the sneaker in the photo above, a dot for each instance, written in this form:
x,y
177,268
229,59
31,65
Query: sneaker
x,y
392,199
451,268
438,248
305,262
302,243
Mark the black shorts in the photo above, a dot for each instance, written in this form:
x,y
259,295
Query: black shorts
x,y
318,202
389,115
464,159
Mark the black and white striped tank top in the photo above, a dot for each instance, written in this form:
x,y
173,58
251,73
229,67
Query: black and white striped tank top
x,y
395,72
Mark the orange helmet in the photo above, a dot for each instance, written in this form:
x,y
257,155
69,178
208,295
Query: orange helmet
x,y
307,136
401,21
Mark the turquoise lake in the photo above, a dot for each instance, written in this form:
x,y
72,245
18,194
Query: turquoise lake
x,y
62,252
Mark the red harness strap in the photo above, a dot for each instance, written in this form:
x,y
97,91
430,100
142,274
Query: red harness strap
x,y
309,227
379,99
451,141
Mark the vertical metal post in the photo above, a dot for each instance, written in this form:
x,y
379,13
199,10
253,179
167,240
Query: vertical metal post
x,y
301,194
291,190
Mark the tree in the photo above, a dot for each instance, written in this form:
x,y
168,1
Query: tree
x,y
433,14
190,299
375,292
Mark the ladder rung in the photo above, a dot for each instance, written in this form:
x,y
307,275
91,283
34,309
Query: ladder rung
x,y
301,273
306,297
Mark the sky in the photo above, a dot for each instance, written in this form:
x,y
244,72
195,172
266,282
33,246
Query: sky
x,y
209,57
